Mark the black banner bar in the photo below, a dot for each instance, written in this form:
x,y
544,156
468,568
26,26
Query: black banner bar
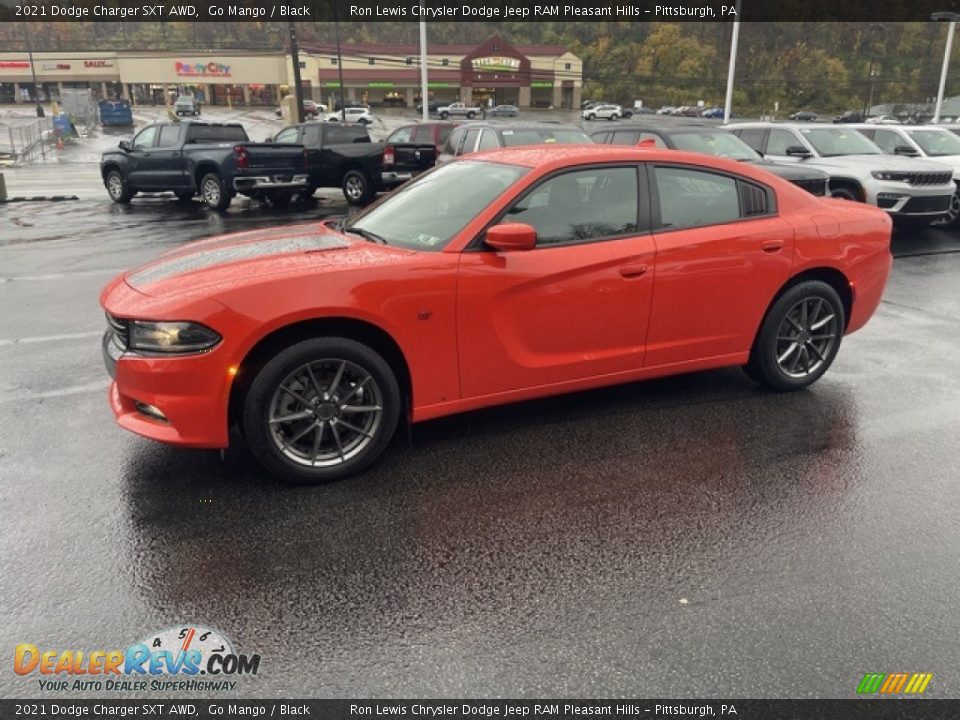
x,y
854,709
473,10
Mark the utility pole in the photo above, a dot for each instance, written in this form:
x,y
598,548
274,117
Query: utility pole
x,y
295,58
952,18
423,68
732,68
336,31
33,70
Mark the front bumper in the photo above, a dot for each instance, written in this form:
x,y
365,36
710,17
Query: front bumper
x,y
903,200
270,182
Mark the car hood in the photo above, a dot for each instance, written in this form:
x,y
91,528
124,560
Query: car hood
x,y
951,161
879,162
790,172
228,261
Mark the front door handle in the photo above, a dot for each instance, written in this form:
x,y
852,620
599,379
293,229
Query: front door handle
x,y
772,246
633,269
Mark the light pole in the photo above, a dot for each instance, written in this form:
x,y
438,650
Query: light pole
x,y
732,68
295,58
423,68
336,31
33,70
871,73
952,19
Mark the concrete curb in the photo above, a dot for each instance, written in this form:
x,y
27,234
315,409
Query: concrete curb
x,y
39,198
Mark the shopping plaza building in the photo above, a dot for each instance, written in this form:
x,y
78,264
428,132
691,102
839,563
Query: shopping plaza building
x,y
379,74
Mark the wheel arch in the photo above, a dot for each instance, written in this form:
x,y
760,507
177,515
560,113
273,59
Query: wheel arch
x,y
848,182
830,275
202,168
361,331
109,167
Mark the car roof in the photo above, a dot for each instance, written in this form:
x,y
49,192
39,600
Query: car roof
x,y
520,125
660,129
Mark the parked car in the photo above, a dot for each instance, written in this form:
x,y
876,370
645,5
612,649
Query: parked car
x,y
411,149
505,277
687,111
933,143
357,114
479,136
342,155
213,160
432,107
882,120
907,188
850,116
459,109
714,113
504,111
666,110
604,112
115,113
711,140
803,116
186,105
311,109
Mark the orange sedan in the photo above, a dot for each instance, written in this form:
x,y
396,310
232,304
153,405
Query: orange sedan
x,y
502,276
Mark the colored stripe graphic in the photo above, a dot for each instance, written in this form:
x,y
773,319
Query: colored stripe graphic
x,y
894,683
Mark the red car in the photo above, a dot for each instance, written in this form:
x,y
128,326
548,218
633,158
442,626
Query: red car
x,y
502,276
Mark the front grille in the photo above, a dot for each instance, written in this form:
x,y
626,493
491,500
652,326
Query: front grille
x,y
120,328
814,186
933,204
931,178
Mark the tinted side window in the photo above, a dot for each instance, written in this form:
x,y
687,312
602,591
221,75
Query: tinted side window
x,y
469,141
145,139
780,140
311,136
488,141
445,131
453,143
287,136
341,135
601,138
693,198
581,206
169,135
403,135
215,133
626,137
752,137
423,135
888,141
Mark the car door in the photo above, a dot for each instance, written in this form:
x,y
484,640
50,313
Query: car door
x,y
778,140
574,307
140,158
167,159
722,254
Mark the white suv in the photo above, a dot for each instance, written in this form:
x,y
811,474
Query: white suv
x,y
934,143
907,188
354,115
604,112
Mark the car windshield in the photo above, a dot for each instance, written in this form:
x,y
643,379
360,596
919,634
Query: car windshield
x,y
514,138
831,142
720,144
936,142
428,212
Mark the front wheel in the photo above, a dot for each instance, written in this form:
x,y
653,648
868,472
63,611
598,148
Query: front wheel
x,y
321,410
444,115
845,193
591,116
799,337
214,192
118,188
357,188
613,117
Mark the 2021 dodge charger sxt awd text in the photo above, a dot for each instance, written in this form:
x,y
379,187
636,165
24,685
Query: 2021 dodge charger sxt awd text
x,y
503,276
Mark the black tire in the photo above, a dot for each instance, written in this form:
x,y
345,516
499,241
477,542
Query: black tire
x,y
357,188
444,115
471,115
845,192
280,198
214,192
613,117
118,188
298,459
796,346
184,195
592,116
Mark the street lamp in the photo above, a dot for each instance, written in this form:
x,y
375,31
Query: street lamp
x,y
951,18
872,74
33,70
732,67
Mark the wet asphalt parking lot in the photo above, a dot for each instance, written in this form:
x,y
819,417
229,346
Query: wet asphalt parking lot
x,y
687,537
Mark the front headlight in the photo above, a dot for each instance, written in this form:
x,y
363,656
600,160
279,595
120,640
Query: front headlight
x,y
887,175
171,337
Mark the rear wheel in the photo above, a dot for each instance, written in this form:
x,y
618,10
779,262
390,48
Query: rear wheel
x,y
357,188
214,192
444,115
613,117
321,410
799,338
118,188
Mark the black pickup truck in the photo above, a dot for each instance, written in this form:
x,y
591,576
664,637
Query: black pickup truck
x,y
342,155
213,160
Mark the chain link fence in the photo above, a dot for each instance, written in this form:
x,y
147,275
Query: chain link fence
x,y
23,142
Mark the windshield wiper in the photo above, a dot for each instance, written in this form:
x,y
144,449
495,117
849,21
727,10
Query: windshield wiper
x,y
366,235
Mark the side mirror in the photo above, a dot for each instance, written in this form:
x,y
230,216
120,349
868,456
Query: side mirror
x,y
511,237
905,150
125,145
268,139
798,151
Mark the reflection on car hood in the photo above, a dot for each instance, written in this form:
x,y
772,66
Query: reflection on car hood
x,y
790,172
246,257
880,162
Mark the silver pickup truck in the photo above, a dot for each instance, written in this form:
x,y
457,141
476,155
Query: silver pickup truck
x,y
459,109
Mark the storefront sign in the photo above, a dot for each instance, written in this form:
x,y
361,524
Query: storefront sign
x,y
439,85
98,63
331,83
54,66
492,64
14,65
210,69
542,83
378,84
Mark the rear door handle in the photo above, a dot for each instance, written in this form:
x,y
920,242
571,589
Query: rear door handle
x,y
633,269
771,246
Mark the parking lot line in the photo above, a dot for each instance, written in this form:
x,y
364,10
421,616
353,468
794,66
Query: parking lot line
x,y
49,338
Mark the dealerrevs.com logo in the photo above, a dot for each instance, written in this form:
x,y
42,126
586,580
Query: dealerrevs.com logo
x,y
190,658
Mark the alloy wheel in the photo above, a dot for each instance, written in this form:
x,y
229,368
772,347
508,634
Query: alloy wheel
x,y
806,337
354,188
211,192
115,185
952,213
325,413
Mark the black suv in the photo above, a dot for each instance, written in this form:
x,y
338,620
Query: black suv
x,y
478,136
711,140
